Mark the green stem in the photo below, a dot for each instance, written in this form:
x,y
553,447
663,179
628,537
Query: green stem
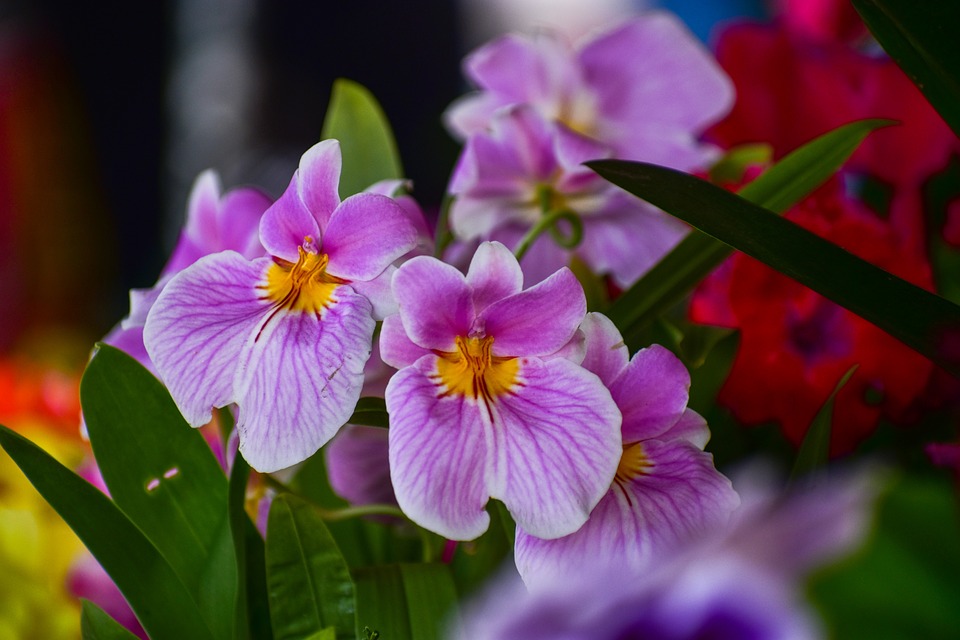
x,y
549,223
443,235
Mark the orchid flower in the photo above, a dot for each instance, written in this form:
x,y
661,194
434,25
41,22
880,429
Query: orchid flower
x,y
285,337
490,401
665,490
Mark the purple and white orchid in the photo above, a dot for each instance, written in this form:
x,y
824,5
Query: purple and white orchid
x,y
523,168
216,221
666,489
646,88
490,401
285,337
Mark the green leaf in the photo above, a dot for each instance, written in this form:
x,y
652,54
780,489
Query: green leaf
x,y
922,38
477,560
252,607
777,189
148,583
366,141
324,634
815,449
903,583
163,475
405,601
96,624
735,162
308,580
371,412
921,320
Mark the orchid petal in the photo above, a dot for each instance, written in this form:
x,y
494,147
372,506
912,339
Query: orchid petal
x,y
691,427
557,444
239,220
652,393
141,301
679,498
396,348
538,321
470,113
319,180
357,463
607,355
438,451
435,302
365,234
379,293
286,224
198,327
494,274
299,379
520,69
202,206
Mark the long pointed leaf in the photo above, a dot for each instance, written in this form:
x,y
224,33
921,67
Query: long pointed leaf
x,y
922,38
253,608
149,584
164,476
815,449
921,320
355,118
96,624
777,189
405,601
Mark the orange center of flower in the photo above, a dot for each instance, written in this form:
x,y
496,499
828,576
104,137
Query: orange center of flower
x,y
303,286
473,371
633,463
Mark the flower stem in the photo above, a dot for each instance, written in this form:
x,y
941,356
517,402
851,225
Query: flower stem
x,y
549,222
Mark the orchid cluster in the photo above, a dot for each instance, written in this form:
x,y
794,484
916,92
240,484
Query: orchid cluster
x,y
487,394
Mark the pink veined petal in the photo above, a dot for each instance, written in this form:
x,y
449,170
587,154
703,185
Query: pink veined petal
x,y
239,221
202,205
286,223
690,427
396,349
606,355
298,382
494,274
537,321
470,113
358,466
141,301
479,218
519,69
556,447
653,69
365,235
200,325
574,351
379,293
438,454
652,393
435,302
680,498
319,180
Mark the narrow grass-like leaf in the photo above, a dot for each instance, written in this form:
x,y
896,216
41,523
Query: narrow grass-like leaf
x,y
96,624
308,580
921,320
371,412
149,584
815,449
369,150
777,189
922,38
405,601
163,475
253,607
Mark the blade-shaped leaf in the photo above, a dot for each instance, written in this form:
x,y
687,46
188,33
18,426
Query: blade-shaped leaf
x,y
922,38
921,320
96,624
371,412
308,580
405,601
369,150
149,584
252,607
777,189
815,449
164,476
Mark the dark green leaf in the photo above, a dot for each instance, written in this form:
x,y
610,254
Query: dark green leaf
x,y
405,601
477,560
921,320
308,580
777,189
371,412
96,624
922,38
253,607
149,584
164,476
815,449
369,151
324,634
903,583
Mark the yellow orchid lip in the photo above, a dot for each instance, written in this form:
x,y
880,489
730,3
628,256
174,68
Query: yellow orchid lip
x,y
474,372
633,464
302,286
